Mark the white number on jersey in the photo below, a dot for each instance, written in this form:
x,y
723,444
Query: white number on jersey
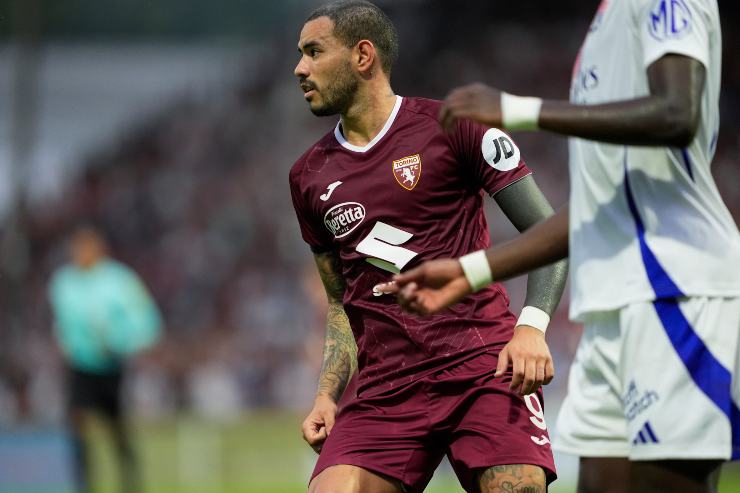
x,y
537,418
381,245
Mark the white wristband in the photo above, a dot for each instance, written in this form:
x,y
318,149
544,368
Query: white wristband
x,y
534,317
520,113
476,269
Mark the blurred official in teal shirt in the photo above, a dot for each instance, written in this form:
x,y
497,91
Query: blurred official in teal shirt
x,y
103,316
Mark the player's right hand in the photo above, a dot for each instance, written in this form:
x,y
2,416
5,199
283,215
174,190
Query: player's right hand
x,y
477,102
430,287
528,355
319,422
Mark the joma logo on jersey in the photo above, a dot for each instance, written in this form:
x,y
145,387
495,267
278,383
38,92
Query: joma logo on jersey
x,y
669,19
342,219
407,171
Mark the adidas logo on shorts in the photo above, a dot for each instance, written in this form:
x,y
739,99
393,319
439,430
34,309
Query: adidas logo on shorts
x,y
645,435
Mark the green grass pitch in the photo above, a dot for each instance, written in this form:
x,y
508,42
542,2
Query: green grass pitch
x,y
258,453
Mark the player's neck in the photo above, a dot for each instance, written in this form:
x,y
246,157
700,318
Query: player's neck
x,y
367,116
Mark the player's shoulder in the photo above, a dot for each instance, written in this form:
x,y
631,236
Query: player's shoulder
x,y
62,274
115,269
312,154
422,107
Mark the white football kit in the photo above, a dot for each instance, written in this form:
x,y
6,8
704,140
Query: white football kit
x,y
655,257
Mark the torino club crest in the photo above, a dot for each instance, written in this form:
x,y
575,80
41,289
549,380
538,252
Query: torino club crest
x,y
407,171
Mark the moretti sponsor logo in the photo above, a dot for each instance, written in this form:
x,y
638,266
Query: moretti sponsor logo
x,y
343,218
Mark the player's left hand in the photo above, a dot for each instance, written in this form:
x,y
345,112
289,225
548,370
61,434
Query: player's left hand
x,y
528,354
475,102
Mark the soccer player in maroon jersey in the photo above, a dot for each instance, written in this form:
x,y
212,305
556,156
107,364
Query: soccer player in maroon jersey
x,y
384,191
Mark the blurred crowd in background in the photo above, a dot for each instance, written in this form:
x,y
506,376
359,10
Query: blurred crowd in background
x,y
194,198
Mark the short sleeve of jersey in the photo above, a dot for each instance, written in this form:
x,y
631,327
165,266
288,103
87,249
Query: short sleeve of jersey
x,y
674,26
312,230
490,155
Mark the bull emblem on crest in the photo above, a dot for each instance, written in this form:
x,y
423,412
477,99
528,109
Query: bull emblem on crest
x,y
407,171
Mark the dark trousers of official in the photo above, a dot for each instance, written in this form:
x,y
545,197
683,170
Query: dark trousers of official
x,y
91,396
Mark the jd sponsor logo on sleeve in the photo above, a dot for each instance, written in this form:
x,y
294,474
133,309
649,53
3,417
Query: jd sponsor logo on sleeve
x,y
499,150
635,402
342,219
669,19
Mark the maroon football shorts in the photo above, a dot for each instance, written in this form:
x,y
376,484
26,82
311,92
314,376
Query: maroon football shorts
x,y
462,412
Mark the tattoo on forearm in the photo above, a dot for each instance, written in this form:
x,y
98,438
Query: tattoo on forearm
x,y
330,270
340,350
513,478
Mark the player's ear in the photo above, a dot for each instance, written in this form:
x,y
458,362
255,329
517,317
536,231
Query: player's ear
x,y
364,57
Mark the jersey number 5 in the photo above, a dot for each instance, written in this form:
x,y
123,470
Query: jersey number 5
x,y
381,247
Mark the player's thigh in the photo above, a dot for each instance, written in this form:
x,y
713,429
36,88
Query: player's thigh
x,y
352,479
604,475
388,435
491,426
513,477
677,367
686,476
619,475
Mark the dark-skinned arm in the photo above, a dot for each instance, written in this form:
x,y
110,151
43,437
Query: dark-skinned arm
x,y
340,354
437,284
668,116
542,244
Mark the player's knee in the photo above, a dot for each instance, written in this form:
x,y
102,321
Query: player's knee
x,y
526,477
336,485
326,487
352,479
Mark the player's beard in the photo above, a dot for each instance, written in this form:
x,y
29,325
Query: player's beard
x,y
339,94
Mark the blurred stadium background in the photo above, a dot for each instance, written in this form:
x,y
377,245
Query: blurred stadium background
x,y
174,123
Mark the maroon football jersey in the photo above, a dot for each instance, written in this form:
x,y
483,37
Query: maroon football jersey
x,y
414,193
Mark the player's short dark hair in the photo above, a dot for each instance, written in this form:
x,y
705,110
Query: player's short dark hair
x,y
356,20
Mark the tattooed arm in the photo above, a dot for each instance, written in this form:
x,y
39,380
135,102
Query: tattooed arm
x,y
340,351
340,354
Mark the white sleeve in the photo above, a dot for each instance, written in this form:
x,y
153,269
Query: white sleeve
x,y
682,27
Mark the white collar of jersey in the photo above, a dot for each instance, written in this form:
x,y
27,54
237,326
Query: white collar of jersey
x,y
383,131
